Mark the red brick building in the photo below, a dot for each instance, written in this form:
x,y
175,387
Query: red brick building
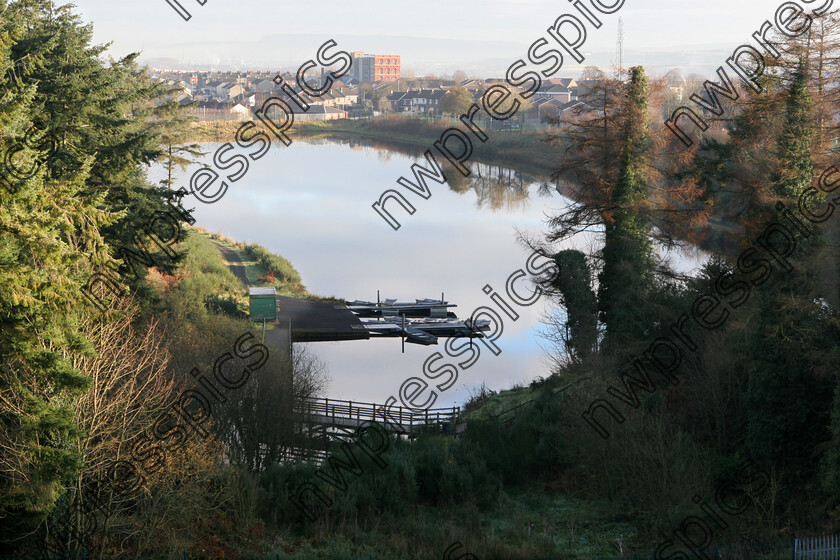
x,y
375,67
386,67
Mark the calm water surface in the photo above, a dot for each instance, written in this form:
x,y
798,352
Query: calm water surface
x,y
311,203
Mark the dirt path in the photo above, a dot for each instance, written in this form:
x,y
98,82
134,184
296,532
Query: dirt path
x,y
234,262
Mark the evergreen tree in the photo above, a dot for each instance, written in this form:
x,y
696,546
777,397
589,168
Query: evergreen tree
x,y
75,139
790,382
175,128
112,115
573,287
49,242
796,172
626,281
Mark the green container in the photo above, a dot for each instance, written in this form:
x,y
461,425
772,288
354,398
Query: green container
x,y
263,304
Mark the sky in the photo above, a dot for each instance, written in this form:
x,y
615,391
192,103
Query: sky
x,y
437,36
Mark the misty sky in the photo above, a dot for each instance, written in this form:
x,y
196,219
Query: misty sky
x,y
651,26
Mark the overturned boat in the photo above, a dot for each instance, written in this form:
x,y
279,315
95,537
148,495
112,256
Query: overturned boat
x,y
390,307
426,331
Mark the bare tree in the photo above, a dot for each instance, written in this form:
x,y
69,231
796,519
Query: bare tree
x,y
130,392
256,424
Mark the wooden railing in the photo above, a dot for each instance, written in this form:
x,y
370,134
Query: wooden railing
x,y
817,548
395,418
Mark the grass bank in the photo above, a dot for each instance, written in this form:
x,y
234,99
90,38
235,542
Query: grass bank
x,y
205,275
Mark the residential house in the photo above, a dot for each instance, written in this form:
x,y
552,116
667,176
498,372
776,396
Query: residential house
x,y
229,90
241,110
584,88
552,109
565,82
425,102
559,92
264,86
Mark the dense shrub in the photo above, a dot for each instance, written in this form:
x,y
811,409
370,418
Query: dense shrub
x,y
282,268
227,305
277,485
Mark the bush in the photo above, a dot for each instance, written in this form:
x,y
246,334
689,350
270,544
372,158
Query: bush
x,y
278,483
274,265
484,394
227,305
449,474
527,445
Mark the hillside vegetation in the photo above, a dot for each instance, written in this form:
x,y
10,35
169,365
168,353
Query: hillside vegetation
x,y
143,415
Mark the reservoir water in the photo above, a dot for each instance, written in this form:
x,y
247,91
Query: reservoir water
x,y
311,202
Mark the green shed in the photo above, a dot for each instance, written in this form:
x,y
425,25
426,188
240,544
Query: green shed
x,y
263,304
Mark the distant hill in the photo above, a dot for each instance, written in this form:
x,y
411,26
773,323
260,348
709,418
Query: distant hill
x,y
423,55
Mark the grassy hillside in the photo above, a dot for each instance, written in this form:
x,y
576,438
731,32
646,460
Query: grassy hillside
x,y
204,276
262,267
507,403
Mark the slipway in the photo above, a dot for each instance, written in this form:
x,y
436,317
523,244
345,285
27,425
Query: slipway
x,y
314,321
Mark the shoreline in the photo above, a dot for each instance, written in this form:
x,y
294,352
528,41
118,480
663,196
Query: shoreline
x,y
529,152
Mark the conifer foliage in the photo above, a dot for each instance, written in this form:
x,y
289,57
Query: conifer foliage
x,y
74,135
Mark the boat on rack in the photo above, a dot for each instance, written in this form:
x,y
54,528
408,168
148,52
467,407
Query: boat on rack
x,y
390,307
426,331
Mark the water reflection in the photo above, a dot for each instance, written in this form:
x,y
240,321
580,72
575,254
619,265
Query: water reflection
x,y
495,187
311,202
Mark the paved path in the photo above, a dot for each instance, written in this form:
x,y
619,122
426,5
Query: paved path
x,y
280,336
234,262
